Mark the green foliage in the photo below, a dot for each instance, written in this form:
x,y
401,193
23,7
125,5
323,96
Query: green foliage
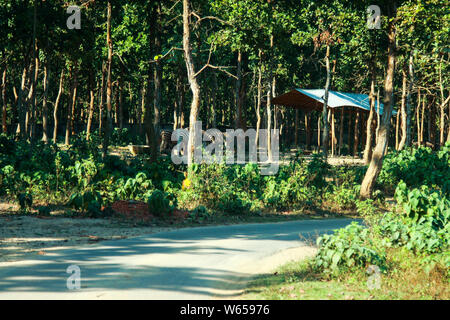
x,y
347,248
199,214
87,201
343,197
25,200
158,204
423,202
137,188
417,167
366,208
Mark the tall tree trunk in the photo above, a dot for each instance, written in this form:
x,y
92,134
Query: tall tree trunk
x,y
333,134
325,105
432,124
442,106
418,117
33,97
319,131
102,94
4,128
141,109
308,130
356,134
269,119
215,88
108,125
369,136
238,93
341,130
349,133
120,88
397,128
71,104
21,106
91,103
45,133
258,101
296,127
192,78
55,109
376,162
424,98
408,140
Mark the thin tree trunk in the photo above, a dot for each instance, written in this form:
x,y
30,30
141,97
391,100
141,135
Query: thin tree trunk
x,y
308,130
258,102
71,104
141,110
356,134
238,94
102,94
376,162
120,88
378,117
296,127
319,131
349,134
325,104
215,88
44,107
408,101
4,128
91,103
333,134
368,147
432,124
108,126
32,96
422,119
397,128
418,117
55,110
192,78
341,131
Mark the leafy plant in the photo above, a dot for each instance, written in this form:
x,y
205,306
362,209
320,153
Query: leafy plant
x,y
347,248
158,204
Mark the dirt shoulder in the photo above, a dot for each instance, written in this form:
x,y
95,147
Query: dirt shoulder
x,y
22,237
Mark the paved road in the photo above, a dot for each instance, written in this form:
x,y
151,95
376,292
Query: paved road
x,y
193,263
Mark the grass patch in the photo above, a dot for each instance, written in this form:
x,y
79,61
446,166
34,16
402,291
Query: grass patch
x,y
406,279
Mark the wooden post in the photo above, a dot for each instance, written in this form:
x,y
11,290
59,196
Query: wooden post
x,y
296,127
308,130
318,132
333,134
397,127
341,131
349,137
356,135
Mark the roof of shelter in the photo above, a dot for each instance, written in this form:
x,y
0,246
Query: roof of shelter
x,y
312,99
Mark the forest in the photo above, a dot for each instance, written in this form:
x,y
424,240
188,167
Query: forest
x,y
92,90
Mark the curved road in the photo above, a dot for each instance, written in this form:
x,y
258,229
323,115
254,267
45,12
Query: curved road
x,y
192,263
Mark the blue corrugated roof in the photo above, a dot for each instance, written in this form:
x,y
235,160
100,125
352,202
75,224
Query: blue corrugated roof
x,y
342,99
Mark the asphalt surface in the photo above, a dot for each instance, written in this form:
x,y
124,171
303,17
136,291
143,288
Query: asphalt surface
x,y
191,263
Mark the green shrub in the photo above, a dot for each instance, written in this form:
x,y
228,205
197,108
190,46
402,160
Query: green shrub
x,y
86,201
199,214
232,204
416,167
423,202
343,197
347,248
137,188
158,204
